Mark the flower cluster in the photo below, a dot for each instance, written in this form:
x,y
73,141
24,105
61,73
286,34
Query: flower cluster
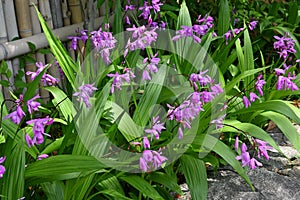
x,y
83,37
103,42
151,160
142,38
197,30
2,168
17,115
231,33
84,94
150,67
260,147
146,9
252,25
156,129
204,92
284,45
46,78
119,79
252,96
38,130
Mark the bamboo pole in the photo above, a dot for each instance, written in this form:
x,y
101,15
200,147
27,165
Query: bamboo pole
x,y
76,12
3,38
103,8
56,12
25,27
16,48
12,29
67,22
66,13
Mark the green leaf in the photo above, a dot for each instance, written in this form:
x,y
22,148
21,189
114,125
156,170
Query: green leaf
x,y
118,24
285,125
236,80
63,102
33,86
249,61
251,129
61,167
54,190
31,46
13,179
141,185
224,17
61,54
194,171
165,180
210,142
150,97
53,146
99,3
184,18
279,106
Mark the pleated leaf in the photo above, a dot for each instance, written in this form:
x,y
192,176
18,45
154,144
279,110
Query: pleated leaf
x,y
141,185
61,167
285,125
224,17
194,171
65,61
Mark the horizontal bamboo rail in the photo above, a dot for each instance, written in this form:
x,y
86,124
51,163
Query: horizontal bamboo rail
x,y
20,47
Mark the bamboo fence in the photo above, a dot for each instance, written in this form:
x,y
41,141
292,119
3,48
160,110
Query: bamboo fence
x,y
20,27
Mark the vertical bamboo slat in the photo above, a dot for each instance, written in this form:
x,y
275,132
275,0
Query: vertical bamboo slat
x,y
56,13
66,13
3,38
102,10
12,29
25,27
76,12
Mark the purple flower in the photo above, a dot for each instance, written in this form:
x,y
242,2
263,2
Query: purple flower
x,y
286,83
143,165
151,160
252,25
254,163
119,79
253,96
156,129
246,102
46,78
262,148
151,67
284,45
29,141
236,143
33,105
259,85
17,115
156,5
103,42
42,156
245,156
141,38
85,93
38,130
2,168
74,42
146,10
146,143
180,133
219,121
231,33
